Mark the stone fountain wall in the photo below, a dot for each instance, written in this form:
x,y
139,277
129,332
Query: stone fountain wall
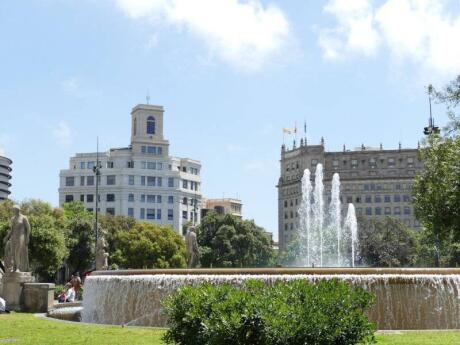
x,y
405,298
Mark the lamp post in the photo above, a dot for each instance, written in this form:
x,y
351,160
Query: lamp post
x,y
97,173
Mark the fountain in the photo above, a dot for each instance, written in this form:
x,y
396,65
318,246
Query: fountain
x,y
325,241
406,298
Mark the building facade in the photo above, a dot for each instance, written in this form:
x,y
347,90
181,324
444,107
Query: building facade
x,y
378,182
142,180
223,206
5,177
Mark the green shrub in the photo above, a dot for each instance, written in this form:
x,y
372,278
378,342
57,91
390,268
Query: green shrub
x,y
294,313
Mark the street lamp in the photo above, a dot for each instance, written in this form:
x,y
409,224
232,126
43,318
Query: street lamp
x,y
97,173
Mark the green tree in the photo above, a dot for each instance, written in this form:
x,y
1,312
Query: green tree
x,y
47,249
436,197
148,246
228,241
450,96
80,237
386,243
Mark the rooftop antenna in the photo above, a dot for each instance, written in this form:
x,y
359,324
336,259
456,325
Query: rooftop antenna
x,y
431,129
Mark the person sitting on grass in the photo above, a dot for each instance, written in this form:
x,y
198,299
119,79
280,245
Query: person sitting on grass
x,y
3,306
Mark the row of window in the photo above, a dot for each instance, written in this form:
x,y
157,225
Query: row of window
x,y
378,211
190,185
378,198
152,150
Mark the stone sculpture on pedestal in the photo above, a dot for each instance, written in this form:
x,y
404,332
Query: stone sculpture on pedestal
x,y
101,254
191,244
16,260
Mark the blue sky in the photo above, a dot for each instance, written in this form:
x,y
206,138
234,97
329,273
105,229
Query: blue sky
x,y
230,74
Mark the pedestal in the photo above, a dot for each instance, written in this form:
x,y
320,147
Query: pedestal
x,y
13,285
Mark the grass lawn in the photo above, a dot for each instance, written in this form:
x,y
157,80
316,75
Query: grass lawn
x,y
18,328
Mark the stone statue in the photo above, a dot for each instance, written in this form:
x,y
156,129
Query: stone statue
x,y
17,243
191,244
101,254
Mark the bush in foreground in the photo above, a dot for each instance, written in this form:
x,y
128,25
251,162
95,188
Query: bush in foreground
x,y
294,313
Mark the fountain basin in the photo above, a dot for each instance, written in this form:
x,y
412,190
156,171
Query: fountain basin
x,y
406,298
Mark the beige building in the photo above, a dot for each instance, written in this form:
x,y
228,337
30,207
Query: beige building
x,y
377,181
223,206
141,180
5,177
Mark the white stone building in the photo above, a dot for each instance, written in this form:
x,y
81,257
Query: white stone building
x,y
5,177
142,180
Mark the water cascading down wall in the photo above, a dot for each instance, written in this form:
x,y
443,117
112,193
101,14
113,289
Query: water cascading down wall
x,y
405,298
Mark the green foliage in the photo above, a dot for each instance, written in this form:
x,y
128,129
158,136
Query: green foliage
x,y
228,241
294,313
436,197
450,96
47,246
148,246
293,252
47,249
386,243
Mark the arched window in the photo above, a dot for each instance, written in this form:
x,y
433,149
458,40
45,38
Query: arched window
x,y
150,125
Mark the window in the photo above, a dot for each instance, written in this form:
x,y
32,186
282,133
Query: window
x,y
151,198
286,226
130,212
170,199
90,198
150,125
82,197
359,211
185,184
368,198
358,199
368,211
387,198
397,198
170,214
131,180
407,210
152,150
110,180
391,162
151,165
349,199
131,197
372,161
366,187
110,165
90,165
130,164
150,213
354,163
90,180
387,210
143,198
143,149
82,180
159,151
314,162
158,213
110,210
143,180
142,215
397,210
378,211
159,166
335,163
110,197
184,214
159,181
70,181
82,165
185,201
378,198
406,198
151,181
170,181
89,209
398,186
158,199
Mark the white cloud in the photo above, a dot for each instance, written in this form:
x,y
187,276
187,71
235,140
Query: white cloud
x,y
63,134
424,32
243,33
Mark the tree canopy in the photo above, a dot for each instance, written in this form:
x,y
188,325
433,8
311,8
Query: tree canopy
x,y
386,243
228,241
